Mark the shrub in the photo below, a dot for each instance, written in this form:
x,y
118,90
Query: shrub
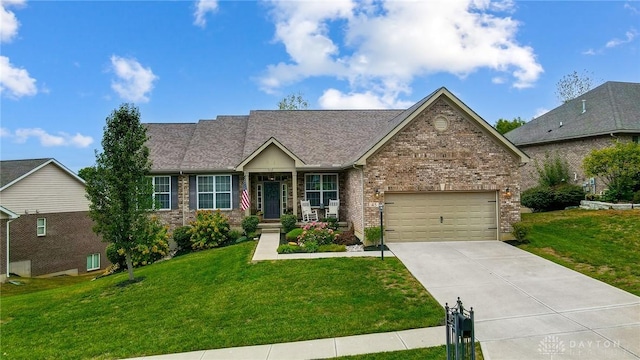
x,y
543,198
182,237
293,234
332,223
537,198
636,197
114,257
372,234
553,172
209,230
289,222
317,233
332,248
234,235
520,230
250,224
152,245
567,195
346,238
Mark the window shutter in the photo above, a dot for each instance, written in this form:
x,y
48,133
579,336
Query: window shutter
x,y
193,193
235,193
174,192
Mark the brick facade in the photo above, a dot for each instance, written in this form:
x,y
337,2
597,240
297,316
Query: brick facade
x,y
461,158
68,241
574,151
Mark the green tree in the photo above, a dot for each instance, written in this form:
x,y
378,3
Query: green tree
x,y
573,85
119,190
619,168
504,126
293,102
86,172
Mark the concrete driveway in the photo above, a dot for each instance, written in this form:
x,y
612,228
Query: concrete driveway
x,y
527,307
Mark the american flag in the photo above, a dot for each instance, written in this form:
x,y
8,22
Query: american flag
x,y
244,202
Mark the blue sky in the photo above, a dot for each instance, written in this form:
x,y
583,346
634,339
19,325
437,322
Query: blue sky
x,y
65,65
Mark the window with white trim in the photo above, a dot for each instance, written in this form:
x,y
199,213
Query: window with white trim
x,y
320,188
41,227
283,208
214,192
162,192
259,197
93,262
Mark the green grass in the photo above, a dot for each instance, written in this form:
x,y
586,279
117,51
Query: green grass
x,y
432,353
603,244
214,299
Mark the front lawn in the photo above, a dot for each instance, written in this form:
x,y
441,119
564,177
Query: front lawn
x,y
214,299
603,244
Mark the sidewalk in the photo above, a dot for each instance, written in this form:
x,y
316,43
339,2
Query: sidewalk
x,y
321,348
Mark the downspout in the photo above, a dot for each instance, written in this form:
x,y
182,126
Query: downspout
x,y
9,221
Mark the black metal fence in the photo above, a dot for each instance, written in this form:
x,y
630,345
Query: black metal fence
x,y
460,332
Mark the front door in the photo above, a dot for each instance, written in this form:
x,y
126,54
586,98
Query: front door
x,y
271,200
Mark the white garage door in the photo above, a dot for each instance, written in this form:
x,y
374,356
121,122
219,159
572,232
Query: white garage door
x,y
440,216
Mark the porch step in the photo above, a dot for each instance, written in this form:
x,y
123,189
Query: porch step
x,y
273,228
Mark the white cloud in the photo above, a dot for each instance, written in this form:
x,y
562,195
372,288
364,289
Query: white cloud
x,y
381,47
134,81
9,24
202,8
335,99
629,36
60,139
15,82
633,9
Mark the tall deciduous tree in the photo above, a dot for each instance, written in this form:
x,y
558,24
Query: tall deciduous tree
x,y
504,126
293,102
119,189
573,85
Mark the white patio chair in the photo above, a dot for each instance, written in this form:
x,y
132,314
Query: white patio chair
x,y
307,213
334,205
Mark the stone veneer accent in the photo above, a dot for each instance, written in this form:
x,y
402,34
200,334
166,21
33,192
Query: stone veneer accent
x,y
352,200
574,151
183,215
461,158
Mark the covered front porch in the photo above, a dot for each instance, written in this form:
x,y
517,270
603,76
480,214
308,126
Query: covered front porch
x,y
277,180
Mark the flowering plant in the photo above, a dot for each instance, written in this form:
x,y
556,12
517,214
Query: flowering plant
x,y
316,234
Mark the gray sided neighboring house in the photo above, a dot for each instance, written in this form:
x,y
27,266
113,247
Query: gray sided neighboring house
x,y
441,171
594,120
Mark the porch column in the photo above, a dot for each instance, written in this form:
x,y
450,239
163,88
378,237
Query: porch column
x,y
294,185
247,211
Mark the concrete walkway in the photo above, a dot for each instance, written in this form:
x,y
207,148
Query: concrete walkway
x,y
322,348
527,307
267,249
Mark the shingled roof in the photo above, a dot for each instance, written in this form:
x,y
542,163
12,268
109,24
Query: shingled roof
x,y
11,170
317,138
611,108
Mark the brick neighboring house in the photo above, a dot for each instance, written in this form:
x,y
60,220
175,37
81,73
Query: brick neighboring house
x,y
443,172
594,120
49,232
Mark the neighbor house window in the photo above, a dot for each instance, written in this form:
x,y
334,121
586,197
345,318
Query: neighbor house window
x,y
41,227
93,262
320,188
214,192
162,192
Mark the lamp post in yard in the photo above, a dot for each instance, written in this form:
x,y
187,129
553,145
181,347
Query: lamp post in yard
x,y
381,208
